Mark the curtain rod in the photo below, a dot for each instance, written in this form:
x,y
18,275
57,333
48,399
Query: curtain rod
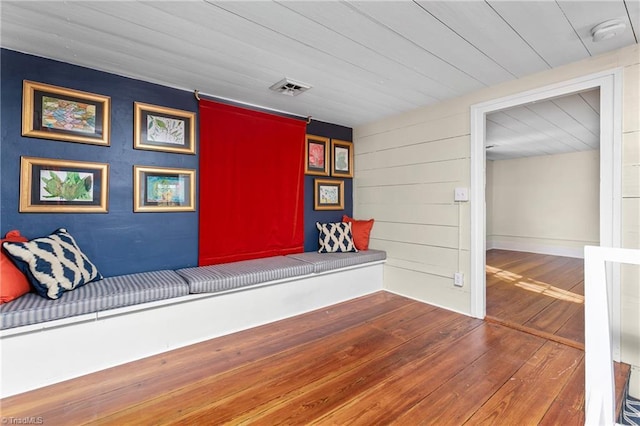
x,y
197,95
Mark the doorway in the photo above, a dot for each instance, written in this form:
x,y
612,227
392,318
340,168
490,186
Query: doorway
x,y
609,84
542,207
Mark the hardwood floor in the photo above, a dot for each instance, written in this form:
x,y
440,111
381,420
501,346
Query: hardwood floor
x,y
379,359
537,293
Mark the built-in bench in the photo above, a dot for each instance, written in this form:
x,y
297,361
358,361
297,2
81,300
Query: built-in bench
x,y
122,319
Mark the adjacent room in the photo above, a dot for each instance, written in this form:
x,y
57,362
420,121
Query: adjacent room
x,y
543,204
320,212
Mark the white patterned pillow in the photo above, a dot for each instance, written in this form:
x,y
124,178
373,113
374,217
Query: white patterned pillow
x,y
335,237
53,264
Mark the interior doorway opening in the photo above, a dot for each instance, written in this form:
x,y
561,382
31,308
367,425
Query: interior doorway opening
x,y
542,178
609,85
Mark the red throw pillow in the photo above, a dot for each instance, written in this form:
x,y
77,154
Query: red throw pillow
x,y
13,283
360,230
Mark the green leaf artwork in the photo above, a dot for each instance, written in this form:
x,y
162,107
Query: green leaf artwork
x,y
341,160
66,186
166,130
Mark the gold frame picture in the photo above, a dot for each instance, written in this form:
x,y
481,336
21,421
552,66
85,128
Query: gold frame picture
x,y
163,189
63,186
341,158
328,194
57,113
316,155
158,128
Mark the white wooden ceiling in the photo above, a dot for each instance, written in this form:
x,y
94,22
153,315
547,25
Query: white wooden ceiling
x,y
566,124
365,59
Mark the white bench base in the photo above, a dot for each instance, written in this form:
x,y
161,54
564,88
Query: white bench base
x,y
43,354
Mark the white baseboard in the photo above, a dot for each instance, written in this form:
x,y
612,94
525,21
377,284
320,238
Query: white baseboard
x,y
31,358
530,247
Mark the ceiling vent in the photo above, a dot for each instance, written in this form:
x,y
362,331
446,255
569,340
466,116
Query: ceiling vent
x,y
290,87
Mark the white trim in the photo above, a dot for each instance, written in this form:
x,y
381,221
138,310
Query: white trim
x,y
610,85
599,378
527,247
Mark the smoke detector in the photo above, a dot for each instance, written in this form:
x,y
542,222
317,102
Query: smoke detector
x,y
607,30
290,87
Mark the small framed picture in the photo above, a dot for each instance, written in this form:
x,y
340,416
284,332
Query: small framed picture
x,y
159,128
341,158
328,194
51,112
63,186
316,153
161,189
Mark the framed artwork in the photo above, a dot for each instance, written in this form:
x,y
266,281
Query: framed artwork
x,y
161,189
52,112
316,154
63,186
328,194
159,128
341,158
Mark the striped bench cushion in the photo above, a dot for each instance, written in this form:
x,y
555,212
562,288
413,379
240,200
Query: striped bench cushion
x,y
229,276
323,262
109,293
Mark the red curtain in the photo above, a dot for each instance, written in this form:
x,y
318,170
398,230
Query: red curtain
x,y
251,184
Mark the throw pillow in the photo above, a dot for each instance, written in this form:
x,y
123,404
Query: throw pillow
x,y
54,264
361,230
335,237
13,283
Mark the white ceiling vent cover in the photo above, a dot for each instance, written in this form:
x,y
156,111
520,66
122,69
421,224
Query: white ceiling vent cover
x,y
290,87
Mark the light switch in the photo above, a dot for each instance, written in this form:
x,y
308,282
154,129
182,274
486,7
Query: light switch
x,y
461,194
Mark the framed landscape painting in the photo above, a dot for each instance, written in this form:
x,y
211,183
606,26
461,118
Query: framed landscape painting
x,y
328,194
162,189
159,128
316,154
51,112
63,186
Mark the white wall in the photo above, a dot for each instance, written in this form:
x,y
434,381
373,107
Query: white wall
x,y
408,165
545,204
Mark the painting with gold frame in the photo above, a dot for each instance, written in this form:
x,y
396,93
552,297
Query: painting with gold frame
x,y
316,154
328,194
163,189
341,158
63,186
52,112
158,128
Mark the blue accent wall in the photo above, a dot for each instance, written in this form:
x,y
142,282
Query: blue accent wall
x,y
120,241
312,216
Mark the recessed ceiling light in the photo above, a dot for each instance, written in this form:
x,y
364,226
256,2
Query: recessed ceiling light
x,y
290,87
607,30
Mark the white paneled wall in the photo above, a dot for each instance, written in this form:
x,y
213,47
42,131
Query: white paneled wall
x,y
407,167
546,204
405,178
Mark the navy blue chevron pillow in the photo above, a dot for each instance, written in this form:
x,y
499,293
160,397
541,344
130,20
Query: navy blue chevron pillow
x,y
53,264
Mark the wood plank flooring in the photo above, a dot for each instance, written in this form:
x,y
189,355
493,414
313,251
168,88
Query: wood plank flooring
x,y
537,293
379,359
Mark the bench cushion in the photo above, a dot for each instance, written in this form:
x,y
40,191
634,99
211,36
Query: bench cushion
x,y
229,276
109,293
323,262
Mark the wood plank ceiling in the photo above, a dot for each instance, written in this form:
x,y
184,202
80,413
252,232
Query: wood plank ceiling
x,y
365,60
562,125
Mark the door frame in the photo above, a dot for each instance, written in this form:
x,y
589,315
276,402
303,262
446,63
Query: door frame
x,y
610,85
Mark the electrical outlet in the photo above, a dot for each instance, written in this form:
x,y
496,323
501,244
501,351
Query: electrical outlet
x,y
458,279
